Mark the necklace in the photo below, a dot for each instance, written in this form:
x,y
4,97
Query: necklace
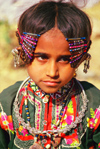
x,y
49,133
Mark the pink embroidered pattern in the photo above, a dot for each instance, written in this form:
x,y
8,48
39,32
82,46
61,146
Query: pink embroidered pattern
x,y
23,130
67,119
57,109
95,115
99,145
68,115
72,141
6,122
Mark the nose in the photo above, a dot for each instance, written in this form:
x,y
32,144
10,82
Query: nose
x,y
52,69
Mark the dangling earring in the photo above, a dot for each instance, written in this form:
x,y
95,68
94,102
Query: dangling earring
x,y
87,63
16,55
75,74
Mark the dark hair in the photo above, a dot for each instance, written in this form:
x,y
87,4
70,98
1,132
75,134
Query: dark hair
x,y
40,18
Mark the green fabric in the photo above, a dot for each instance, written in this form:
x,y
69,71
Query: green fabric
x,y
7,97
93,95
4,139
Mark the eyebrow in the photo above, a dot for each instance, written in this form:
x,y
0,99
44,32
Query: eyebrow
x,y
47,55
42,53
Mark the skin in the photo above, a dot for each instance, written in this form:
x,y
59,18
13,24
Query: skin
x,y
50,68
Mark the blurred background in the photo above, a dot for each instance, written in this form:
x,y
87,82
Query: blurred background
x,y
10,12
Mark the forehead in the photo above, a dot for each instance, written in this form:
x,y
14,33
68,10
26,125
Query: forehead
x,y
54,38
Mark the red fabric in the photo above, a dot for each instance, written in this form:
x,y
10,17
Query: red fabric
x,y
50,114
24,138
74,106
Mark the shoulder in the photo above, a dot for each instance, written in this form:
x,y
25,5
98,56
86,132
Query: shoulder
x,y
10,91
7,96
93,112
93,94
90,88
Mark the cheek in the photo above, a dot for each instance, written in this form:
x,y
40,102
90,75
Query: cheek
x,y
31,71
67,73
67,70
34,72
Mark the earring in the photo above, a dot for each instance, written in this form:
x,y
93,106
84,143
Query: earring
x,y
75,74
87,63
16,57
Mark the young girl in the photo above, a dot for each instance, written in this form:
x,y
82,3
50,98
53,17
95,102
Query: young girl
x,y
51,109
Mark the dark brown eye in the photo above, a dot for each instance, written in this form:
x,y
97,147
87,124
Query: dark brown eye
x,y
64,58
40,56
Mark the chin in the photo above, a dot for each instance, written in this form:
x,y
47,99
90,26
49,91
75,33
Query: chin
x,y
50,90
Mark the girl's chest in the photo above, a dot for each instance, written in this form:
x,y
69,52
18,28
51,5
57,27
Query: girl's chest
x,y
43,116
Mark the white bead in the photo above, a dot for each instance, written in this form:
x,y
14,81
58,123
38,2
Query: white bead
x,y
35,139
48,146
26,101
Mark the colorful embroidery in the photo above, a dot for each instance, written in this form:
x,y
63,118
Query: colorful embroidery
x,y
38,109
23,130
58,108
68,115
72,141
6,122
94,120
99,145
67,119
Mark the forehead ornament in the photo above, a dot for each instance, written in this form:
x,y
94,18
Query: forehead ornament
x,y
28,41
77,47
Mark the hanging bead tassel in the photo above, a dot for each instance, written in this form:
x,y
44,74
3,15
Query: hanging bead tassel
x,y
16,57
87,63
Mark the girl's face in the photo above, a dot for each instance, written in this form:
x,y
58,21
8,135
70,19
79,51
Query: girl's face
x,y
50,69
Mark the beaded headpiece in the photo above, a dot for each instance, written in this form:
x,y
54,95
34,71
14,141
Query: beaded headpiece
x,y
77,47
28,41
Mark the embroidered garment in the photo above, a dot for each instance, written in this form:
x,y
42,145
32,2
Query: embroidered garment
x,y
44,112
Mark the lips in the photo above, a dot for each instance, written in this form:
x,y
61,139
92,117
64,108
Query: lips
x,y
51,83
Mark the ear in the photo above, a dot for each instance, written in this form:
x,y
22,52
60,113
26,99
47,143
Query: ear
x,y
19,49
87,58
84,57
